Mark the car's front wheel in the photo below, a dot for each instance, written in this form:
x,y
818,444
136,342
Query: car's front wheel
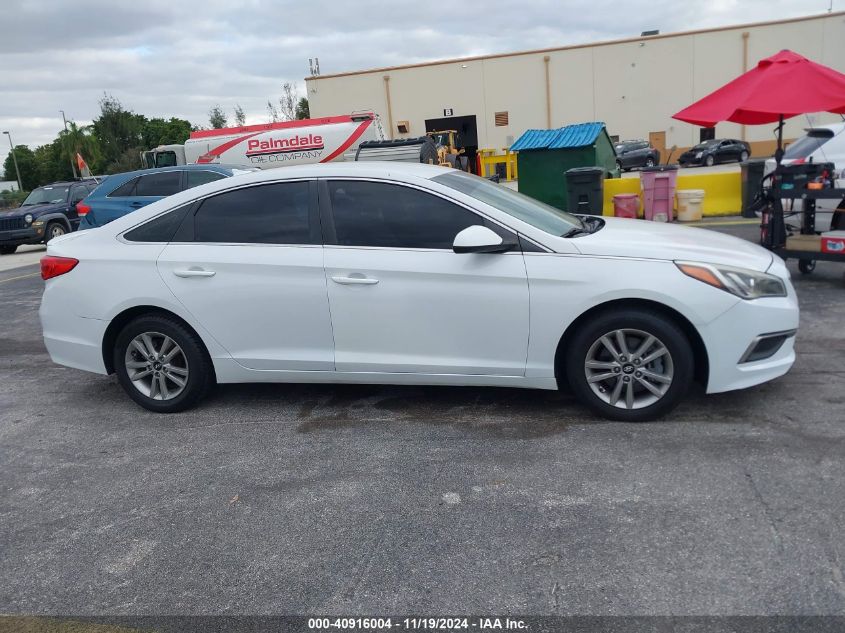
x,y
161,364
54,229
631,365
709,161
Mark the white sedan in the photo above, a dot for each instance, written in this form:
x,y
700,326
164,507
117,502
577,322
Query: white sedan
x,y
411,274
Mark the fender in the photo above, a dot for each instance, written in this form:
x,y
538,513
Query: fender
x,y
56,215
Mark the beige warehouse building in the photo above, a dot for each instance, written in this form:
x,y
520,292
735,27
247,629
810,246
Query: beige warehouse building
x,y
634,85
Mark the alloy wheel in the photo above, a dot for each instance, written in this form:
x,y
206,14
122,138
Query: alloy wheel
x,y
629,369
156,366
56,230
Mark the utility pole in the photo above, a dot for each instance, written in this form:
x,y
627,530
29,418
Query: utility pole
x,y
72,165
15,161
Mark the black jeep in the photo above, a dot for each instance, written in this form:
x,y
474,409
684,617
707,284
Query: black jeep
x,y
47,212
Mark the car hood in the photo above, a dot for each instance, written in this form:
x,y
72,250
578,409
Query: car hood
x,y
35,209
659,240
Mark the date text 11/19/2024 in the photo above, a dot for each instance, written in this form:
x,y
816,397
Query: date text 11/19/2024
x,y
417,624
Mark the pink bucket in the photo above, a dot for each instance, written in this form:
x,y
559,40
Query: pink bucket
x,y
626,205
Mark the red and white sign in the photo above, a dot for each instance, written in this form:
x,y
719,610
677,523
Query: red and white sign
x,y
279,144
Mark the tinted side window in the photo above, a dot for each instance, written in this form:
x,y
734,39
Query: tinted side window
x,y
77,194
264,214
380,214
163,184
197,178
160,229
126,189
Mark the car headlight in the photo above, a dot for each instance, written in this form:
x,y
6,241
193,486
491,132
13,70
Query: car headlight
x,y
698,154
28,218
744,283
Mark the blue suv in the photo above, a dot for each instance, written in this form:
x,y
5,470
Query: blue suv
x,y
123,193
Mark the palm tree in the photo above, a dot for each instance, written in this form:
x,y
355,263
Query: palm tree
x,y
80,140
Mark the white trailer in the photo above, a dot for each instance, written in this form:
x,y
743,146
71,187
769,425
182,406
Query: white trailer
x,y
273,144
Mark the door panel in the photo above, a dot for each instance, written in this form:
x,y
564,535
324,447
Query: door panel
x,y
429,312
402,301
266,304
254,275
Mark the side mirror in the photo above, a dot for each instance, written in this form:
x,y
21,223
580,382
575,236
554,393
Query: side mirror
x,y
480,239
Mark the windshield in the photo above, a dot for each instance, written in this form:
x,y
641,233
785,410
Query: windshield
x,y
705,144
533,212
46,195
808,144
165,159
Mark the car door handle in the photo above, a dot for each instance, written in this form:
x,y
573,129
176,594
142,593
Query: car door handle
x,y
348,281
136,204
193,272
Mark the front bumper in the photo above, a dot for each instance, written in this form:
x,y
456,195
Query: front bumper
x,y
30,235
729,338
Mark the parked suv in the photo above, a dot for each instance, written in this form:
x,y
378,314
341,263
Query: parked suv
x,y
724,150
123,193
637,153
47,212
821,144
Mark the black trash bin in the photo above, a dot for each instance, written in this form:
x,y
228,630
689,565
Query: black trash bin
x,y
752,176
585,188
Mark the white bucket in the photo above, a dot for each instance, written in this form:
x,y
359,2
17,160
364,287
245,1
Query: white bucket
x,y
689,204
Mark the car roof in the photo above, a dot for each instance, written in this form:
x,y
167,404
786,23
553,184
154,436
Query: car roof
x,y
366,169
191,167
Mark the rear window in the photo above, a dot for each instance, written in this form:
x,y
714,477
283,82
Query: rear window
x,y
808,143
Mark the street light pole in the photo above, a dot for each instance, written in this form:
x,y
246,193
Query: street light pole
x,y
72,166
15,161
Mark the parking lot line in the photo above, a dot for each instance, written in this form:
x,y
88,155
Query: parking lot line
x,y
2,281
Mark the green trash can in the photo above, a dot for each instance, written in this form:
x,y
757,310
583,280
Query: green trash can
x,y
585,190
752,176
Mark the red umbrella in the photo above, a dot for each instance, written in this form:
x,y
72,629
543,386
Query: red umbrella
x,y
779,87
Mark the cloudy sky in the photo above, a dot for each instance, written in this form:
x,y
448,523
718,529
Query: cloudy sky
x,y
180,57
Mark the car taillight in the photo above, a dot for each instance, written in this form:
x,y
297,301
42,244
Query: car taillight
x,y
82,209
52,266
799,161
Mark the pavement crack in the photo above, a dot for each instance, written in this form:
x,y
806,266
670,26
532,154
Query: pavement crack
x,y
767,511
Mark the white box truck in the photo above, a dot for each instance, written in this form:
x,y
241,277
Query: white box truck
x,y
273,144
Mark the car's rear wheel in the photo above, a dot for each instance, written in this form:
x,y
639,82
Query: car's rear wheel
x,y
161,364
709,161
7,250
54,229
619,166
631,365
743,156
649,162
806,266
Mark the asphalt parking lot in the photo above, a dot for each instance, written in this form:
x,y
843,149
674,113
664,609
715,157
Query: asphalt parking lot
x,y
364,500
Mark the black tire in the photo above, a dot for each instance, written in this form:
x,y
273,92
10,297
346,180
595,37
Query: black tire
x,y
709,160
54,229
649,162
428,152
743,156
8,250
197,361
806,266
619,166
649,322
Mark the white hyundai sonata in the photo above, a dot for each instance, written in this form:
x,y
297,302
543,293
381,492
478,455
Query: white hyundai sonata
x,y
411,274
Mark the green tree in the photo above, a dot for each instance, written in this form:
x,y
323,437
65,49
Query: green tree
x,y
217,117
155,132
27,165
302,109
240,117
117,130
80,140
